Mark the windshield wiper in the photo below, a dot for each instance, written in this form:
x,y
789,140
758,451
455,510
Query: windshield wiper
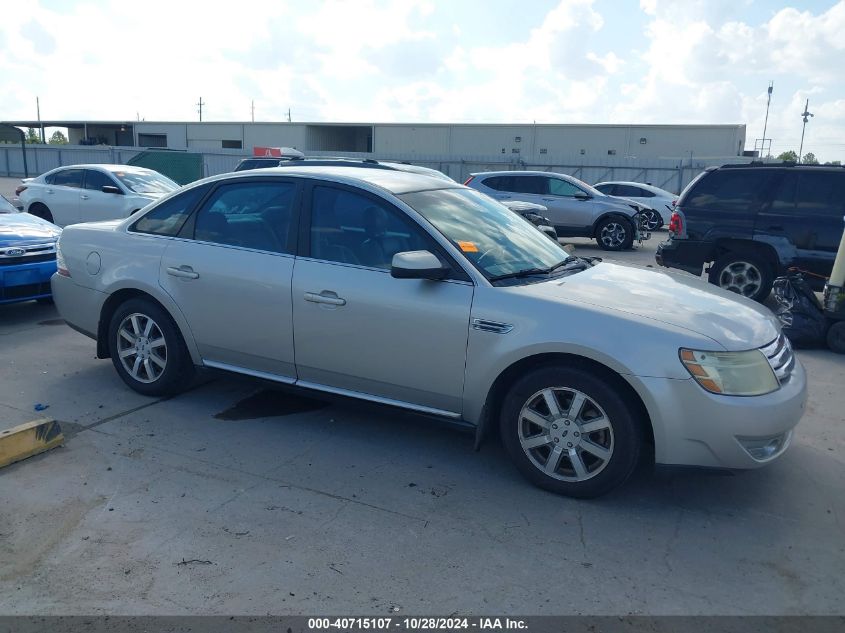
x,y
528,272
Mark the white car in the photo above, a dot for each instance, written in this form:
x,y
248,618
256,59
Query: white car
x,y
654,198
88,193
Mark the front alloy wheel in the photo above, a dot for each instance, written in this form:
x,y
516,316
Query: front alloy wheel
x,y
571,430
651,220
743,278
566,434
141,348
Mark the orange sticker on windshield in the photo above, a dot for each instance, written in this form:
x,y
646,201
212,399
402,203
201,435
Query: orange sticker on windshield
x,y
468,247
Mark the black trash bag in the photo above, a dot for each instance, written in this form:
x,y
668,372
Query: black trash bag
x,y
799,310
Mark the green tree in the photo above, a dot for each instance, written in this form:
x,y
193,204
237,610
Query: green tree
x,y
32,136
810,159
58,138
790,156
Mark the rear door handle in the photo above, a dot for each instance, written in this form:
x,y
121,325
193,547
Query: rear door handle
x,y
500,197
185,272
84,197
50,191
548,199
327,296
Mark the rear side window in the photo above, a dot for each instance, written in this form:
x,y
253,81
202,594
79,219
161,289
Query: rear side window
x,y
168,217
67,178
821,193
256,215
628,191
737,190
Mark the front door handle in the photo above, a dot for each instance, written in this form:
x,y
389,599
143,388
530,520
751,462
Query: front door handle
x,y
548,199
50,191
500,197
185,272
84,197
327,296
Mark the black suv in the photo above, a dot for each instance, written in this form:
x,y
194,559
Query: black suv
x,y
755,221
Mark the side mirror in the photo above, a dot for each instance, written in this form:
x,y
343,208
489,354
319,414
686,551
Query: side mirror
x,y
582,195
417,265
111,189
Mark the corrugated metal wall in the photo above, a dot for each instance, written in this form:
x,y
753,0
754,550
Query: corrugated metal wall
x,y
669,174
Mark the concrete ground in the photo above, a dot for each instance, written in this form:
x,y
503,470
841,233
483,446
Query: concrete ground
x,y
236,499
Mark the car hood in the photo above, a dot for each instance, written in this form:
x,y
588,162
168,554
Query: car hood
x,y
21,228
620,205
679,300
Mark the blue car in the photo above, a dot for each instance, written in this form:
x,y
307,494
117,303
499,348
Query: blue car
x,y
27,255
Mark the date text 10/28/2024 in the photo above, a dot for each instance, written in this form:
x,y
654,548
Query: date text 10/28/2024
x,y
417,623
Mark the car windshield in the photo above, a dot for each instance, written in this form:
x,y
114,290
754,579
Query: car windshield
x,y
493,238
146,182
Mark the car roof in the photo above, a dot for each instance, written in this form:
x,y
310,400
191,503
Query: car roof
x,y
641,185
784,165
394,181
107,167
515,172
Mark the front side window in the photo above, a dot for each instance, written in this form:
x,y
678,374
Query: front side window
x,y
351,228
146,182
606,189
258,215
68,178
168,217
628,191
96,180
559,187
492,237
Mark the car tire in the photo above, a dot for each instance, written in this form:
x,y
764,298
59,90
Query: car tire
x,y
596,447
615,233
836,337
743,273
147,349
653,220
41,211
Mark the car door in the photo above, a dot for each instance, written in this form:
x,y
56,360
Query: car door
x,y
803,219
61,196
565,210
358,329
229,271
94,203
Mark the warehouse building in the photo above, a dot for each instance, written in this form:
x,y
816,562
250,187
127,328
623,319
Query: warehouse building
x,y
523,141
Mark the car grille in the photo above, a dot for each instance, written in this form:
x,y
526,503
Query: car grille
x,y
781,357
32,253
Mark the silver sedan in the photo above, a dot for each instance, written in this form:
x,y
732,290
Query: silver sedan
x,y
422,294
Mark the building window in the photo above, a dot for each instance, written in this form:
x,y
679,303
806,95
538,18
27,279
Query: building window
x,y
543,150
503,150
515,150
152,140
611,152
643,140
232,145
517,139
583,151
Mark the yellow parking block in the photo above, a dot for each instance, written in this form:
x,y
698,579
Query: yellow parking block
x,y
26,440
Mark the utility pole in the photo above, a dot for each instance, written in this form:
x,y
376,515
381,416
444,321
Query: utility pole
x,y
200,103
806,114
40,125
288,115
253,110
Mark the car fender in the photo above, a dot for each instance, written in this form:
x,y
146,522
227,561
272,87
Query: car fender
x,y
613,214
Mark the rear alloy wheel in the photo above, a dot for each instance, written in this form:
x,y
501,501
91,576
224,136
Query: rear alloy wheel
x,y
41,211
147,349
652,220
615,234
571,432
747,275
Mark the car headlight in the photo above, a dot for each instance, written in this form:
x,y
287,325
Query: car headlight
x,y
731,373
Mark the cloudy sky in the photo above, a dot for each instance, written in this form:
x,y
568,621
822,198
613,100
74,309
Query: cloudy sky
x,y
550,61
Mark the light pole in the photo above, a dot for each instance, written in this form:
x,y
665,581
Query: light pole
x,y
766,121
806,114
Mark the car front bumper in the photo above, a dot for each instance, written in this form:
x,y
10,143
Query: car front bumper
x,y
24,282
695,428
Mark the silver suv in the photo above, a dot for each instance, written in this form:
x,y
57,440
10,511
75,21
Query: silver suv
x,y
423,294
575,208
